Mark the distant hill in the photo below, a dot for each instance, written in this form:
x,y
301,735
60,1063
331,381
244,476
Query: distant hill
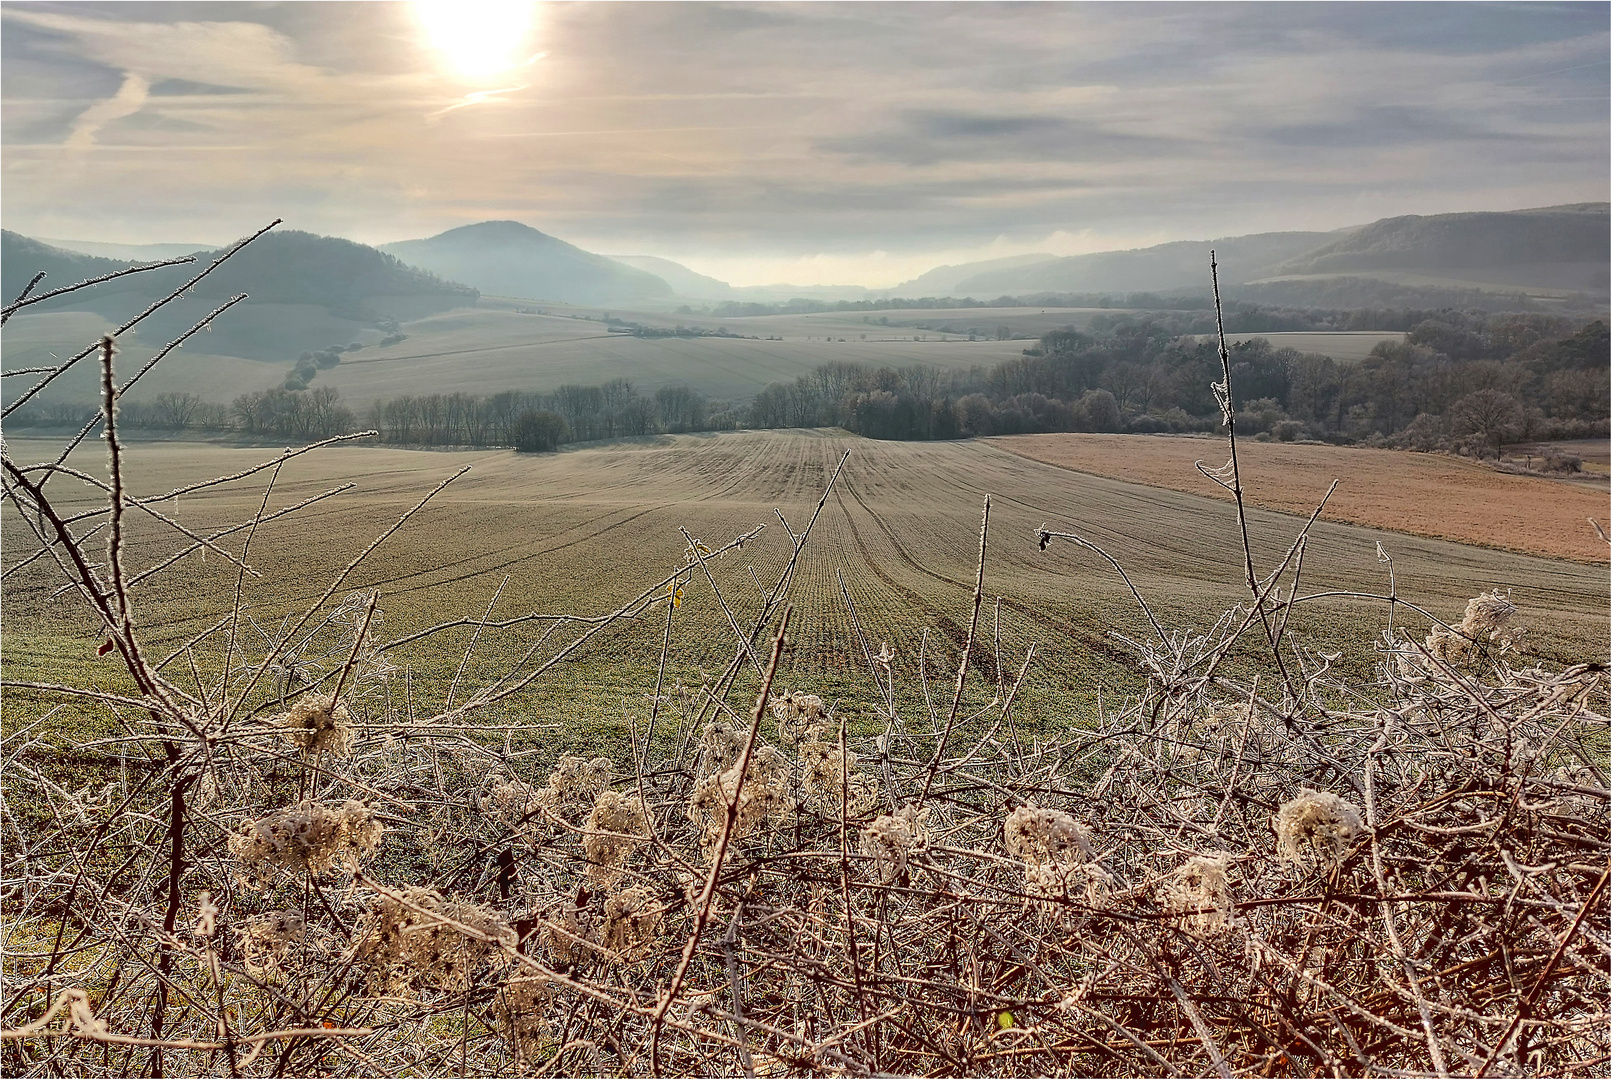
x,y
134,252
684,282
1555,234
1556,253
1174,267
21,257
305,291
944,280
510,259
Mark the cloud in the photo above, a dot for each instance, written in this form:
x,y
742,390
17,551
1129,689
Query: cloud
x,y
829,132
930,136
126,102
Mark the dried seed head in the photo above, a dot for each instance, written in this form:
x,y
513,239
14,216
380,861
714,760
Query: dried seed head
x,y
764,797
309,838
417,936
795,713
1315,823
206,914
1044,837
891,838
1487,622
575,783
1056,849
317,724
521,1009
265,940
632,923
828,778
1200,887
609,831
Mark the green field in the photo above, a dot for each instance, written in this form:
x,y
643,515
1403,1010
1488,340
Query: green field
x,y
1344,346
583,531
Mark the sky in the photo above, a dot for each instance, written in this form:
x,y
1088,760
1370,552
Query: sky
x,y
817,143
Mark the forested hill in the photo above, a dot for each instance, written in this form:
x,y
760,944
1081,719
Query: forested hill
x,y
287,267
1554,234
295,281
511,259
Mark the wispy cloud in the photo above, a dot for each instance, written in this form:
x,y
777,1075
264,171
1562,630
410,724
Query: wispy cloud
x,y
126,102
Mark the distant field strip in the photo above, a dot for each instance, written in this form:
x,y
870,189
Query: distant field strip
x,y
1344,346
582,531
1421,494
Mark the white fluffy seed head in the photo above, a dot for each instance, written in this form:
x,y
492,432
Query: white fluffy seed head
x,y
418,937
616,827
795,713
891,838
765,797
575,783
1201,889
1315,825
308,837
829,778
1044,837
318,724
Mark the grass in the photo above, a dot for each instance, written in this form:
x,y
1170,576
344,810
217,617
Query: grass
x,y
581,531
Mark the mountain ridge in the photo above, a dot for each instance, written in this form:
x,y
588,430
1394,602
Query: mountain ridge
x,y
510,258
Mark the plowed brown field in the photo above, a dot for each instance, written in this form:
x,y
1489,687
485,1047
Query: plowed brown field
x,y
1421,494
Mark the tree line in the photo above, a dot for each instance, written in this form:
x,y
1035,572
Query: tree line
x,y
1460,380
1465,381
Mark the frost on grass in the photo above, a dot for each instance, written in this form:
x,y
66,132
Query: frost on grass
x,y
1201,891
1315,825
616,827
891,838
308,838
418,937
764,797
318,724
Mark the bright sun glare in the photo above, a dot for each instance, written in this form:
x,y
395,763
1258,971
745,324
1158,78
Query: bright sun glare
x,y
478,39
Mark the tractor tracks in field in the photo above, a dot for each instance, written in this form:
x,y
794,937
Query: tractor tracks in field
x,y
1094,642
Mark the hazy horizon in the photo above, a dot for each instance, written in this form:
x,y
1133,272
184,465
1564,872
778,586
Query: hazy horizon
x,y
819,144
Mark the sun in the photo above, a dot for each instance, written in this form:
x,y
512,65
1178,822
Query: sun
x,y
478,39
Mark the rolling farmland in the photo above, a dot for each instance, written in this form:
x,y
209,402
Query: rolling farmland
x,y
583,531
